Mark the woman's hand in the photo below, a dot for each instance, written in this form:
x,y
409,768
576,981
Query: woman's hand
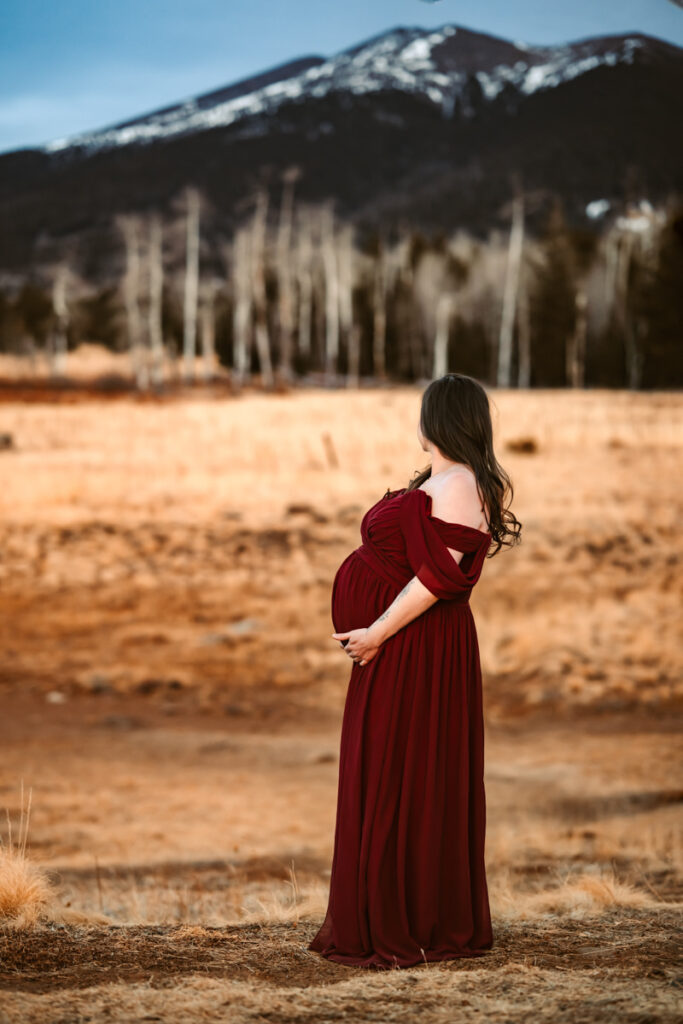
x,y
360,644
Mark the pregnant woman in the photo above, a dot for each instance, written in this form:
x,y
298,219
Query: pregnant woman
x,y
408,882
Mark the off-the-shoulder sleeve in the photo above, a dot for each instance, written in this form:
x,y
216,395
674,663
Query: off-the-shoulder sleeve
x,y
427,541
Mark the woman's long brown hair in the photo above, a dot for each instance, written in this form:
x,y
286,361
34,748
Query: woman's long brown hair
x,y
456,417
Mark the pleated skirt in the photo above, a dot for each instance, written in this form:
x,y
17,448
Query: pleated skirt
x,y
408,880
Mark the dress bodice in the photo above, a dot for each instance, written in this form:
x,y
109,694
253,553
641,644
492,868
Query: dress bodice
x,y
401,539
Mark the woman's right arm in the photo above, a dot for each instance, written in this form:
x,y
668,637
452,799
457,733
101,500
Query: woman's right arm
x,y
412,601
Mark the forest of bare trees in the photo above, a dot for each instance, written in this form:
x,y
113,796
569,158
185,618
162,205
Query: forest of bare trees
x,y
294,293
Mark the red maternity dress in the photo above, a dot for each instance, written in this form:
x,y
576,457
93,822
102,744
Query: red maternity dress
x,y
408,882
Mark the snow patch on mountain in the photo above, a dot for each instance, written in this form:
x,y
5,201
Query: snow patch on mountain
x,y
423,63
597,208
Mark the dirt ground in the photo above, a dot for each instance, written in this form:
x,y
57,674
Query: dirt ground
x,y
171,696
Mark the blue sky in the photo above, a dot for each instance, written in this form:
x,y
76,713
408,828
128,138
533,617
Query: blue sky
x,y
74,65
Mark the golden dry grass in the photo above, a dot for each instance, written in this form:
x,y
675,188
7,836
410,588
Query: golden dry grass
x,y
176,701
28,897
25,890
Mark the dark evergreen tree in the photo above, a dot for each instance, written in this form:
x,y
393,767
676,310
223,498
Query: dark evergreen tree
x,y
33,306
657,309
99,318
553,302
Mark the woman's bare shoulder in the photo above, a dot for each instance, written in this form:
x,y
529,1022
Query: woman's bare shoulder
x,y
455,499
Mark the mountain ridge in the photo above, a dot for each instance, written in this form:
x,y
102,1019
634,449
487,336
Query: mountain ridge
x,y
435,62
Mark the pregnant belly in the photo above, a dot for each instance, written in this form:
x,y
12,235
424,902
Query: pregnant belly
x,y
359,594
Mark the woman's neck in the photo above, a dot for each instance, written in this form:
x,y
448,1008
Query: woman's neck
x,y
441,465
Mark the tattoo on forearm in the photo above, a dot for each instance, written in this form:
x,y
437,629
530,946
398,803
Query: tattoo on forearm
x,y
404,591
398,597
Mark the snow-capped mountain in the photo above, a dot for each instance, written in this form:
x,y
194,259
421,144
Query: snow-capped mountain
x,y
411,127
436,64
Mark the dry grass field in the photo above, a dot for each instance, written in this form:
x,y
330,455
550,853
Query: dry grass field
x,y
171,697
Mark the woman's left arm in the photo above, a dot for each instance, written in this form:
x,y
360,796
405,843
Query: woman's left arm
x,y
412,601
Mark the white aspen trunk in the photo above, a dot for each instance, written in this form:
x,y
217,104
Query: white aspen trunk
x,y
379,315
208,331
156,282
611,270
444,308
319,304
304,254
510,293
258,284
331,293
191,285
578,342
351,338
241,356
131,296
60,312
285,279
523,330
619,249
633,354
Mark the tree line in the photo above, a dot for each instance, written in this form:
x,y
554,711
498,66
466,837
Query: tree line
x,y
294,293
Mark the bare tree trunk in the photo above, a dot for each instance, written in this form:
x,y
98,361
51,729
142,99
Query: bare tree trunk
x,y
191,285
207,324
444,308
241,261
331,293
304,253
524,330
285,277
350,337
60,312
633,353
156,281
611,269
129,226
576,349
618,255
319,300
510,294
258,284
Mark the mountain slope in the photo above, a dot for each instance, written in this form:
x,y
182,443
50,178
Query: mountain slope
x,y
411,126
436,65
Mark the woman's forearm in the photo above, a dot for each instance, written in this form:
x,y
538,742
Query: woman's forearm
x,y
413,600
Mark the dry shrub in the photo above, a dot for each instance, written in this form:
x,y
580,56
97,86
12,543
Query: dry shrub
x,y
581,895
27,897
25,891
589,894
